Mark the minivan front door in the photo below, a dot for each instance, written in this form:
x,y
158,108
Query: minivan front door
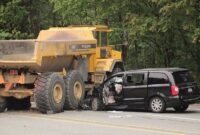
x,y
135,89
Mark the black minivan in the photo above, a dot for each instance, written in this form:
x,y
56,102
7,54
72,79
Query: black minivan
x,y
155,89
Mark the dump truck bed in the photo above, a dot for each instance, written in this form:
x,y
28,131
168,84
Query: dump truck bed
x,y
52,51
24,49
17,53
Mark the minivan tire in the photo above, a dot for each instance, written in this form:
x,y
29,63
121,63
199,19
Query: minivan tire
x,y
96,104
157,105
181,108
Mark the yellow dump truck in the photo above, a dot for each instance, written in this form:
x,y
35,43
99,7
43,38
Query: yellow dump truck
x,y
58,69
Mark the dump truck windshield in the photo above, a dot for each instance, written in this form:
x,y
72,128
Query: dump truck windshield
x,y
104,38
97,36
101,37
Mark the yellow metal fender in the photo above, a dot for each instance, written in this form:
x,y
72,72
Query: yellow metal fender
x,y
106,65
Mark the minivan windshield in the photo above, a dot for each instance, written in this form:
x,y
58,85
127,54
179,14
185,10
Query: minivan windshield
x,y
183,77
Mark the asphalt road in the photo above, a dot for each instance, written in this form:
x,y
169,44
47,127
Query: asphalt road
x,y
101,123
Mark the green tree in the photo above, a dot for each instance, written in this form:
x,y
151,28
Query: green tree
x,y
160,33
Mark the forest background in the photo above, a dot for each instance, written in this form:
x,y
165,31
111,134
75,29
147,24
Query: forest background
x,y
157,33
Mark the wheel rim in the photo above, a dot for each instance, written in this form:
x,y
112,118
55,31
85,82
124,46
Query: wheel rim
x,y
78,90
156,104
57,93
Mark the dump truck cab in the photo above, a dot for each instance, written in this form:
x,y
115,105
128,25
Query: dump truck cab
x,y
106,60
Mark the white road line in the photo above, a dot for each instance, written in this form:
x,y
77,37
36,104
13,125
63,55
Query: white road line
x,y
102,123
163,116
174,117
106,124
193,109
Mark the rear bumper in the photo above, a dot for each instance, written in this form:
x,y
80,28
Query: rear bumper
x,y
176,101
19,94
193,100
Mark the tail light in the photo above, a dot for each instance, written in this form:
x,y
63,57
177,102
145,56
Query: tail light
x,y
174,90
13,72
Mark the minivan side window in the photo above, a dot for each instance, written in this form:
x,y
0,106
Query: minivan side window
x,y
116,79
158,78
135,79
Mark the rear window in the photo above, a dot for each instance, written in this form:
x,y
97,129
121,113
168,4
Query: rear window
x,y
183,77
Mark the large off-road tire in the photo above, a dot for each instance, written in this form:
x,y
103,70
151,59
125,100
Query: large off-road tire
x,y
96,104
181,108
75,90
2,104
18,104
157,104
50,93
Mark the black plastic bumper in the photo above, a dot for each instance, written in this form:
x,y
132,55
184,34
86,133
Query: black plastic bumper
x,y
176,101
